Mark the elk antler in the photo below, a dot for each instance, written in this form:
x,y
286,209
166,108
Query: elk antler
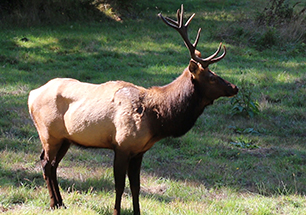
x,y
182,29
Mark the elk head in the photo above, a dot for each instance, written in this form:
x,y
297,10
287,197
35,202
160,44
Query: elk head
x,y
210,85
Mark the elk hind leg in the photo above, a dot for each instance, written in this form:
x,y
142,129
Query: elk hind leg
x,y
50,160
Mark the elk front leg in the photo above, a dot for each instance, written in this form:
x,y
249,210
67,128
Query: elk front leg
x,y
120,167
49,172
134,177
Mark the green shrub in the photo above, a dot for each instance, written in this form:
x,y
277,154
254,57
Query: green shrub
x,y
244,143
278,12
33,12
279,25
243,103
266,39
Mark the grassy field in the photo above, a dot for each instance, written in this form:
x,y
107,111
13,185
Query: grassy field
x,y
225,165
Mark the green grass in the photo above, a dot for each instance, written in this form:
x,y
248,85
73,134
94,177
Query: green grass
x,y
202,172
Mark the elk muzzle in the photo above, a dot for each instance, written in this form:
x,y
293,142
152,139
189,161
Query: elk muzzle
x,y
231,89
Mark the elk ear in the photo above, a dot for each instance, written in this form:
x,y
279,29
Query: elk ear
x,y
193,66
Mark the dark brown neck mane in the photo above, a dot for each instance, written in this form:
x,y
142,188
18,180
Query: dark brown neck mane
x,y
176,106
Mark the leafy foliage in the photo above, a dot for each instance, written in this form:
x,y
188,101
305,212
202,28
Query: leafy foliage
x,y
37,12
243,103
266,39
281,25
253,131
244,143
278,12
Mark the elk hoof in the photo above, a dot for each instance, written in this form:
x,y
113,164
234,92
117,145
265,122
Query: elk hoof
x,y
58,206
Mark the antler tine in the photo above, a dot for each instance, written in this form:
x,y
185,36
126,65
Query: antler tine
x,y
180,16
214,55
175,24
220,57
179,20
169,21
211,59
197,38
189,20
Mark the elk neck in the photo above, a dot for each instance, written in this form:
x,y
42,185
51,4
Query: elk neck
x,y
175,107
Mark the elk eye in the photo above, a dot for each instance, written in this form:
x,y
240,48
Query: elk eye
x,y
212,79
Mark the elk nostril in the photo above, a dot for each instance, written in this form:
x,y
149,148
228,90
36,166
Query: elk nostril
x,y
234,88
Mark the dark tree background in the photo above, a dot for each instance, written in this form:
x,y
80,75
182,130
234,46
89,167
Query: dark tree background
x,y
31,12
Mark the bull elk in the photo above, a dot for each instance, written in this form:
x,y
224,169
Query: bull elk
x,y
121,116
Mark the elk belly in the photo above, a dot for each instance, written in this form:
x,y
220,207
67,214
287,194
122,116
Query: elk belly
x,y
89,126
